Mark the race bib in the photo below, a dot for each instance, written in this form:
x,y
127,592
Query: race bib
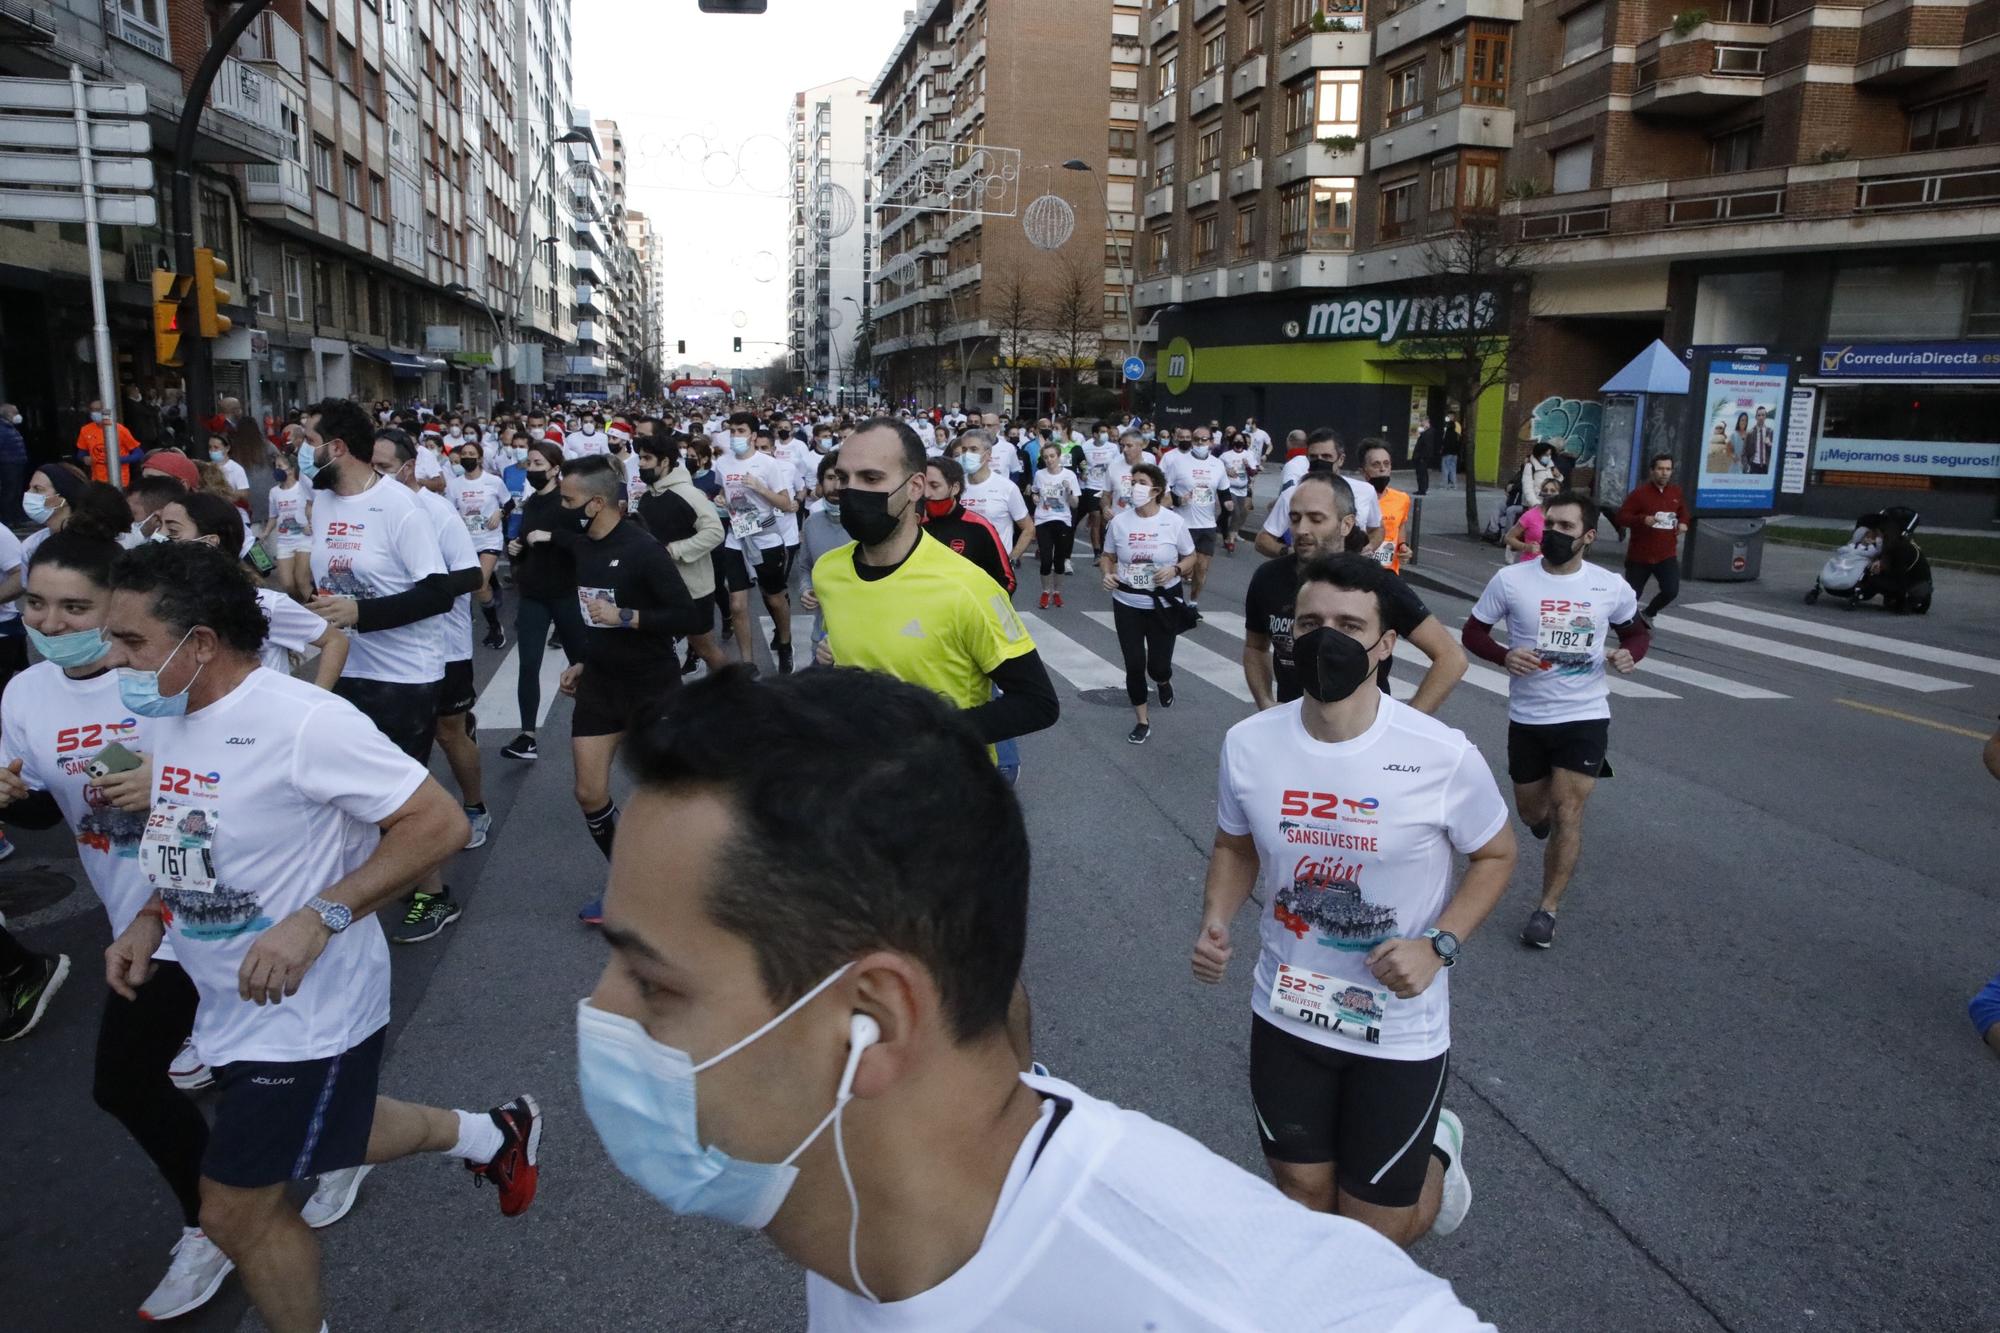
x,y
1565,634
745,523
1142,577
1666,519
585,596
1203,495
1385,554
177,850
1316,1000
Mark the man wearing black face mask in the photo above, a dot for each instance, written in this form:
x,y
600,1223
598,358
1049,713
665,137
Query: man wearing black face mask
x,y
634,604
1346,805
1558,611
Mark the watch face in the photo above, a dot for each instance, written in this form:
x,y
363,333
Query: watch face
x,y
1445,943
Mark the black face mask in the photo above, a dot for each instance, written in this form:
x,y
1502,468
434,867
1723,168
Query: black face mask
x,y
578,518
1380,484
1331,665
1319,467
648,475
1558,548
865,516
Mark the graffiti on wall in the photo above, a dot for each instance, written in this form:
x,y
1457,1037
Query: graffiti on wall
x,y
1570,424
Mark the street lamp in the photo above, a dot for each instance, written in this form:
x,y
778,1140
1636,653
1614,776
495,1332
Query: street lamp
x,y
1124,271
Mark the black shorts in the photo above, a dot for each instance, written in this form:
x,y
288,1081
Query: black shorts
x,y
406,714
457,695
774,570
286,1121
1204,540
731,574
606,704
1372,1118
1088,504
1535,750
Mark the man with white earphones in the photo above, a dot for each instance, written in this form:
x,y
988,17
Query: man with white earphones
x,y
786,957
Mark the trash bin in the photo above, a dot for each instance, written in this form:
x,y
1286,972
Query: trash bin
x,y
1727,550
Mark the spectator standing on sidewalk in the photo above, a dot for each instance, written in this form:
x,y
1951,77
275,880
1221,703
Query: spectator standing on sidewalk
x,y
13,466
1652,520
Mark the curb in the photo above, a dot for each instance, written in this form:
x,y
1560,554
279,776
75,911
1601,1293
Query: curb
x,y
1448,584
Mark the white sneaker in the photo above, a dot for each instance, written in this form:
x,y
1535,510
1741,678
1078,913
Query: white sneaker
x,y
333,1196
187,1071
1457,1185
193,1277
482,824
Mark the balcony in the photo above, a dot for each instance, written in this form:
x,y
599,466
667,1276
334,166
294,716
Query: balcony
x,y
1249,77
272,41
1204,189
1316,159
1162,290
1315,268
937,60
592,367
1165,24
1205,95
1247,279
1460,127
1161,113
1720,68
586,296
1245,177
1323,50
284,183
1157,202
1203,8
1422,19
242,92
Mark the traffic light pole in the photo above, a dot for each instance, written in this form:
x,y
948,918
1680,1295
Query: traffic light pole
x,y
200,368
107,382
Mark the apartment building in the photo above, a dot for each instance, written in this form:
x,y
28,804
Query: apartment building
x,y
544,304
831,236
966,308
584,371
647,331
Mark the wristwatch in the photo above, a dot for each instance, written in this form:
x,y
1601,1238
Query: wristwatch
x,y
625,617
336,917
1446,945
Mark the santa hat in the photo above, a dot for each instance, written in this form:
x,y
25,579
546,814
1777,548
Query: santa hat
x,y
553,435
619,434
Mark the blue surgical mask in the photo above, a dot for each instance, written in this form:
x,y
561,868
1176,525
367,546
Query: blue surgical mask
x,y
1200,451
140,690
76,649
308,462
739,446
640,1096
35,506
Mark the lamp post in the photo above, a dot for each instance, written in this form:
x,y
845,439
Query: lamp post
x,y
1124,270
524,257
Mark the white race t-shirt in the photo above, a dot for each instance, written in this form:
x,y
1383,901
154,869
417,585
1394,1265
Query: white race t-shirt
x,y
55,726
999,502
375,544
1238,464
478,502
293,630
1109,1219
1120,473
429,463
1055,492
577,444
1367,509
1098,456
456,549
748,514
800,463
1197,481
1567,618
1147,551
291,522
262,800
11,561
1354,847
1006,460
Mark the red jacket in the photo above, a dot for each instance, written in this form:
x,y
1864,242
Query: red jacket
x,y
1652,519
977,540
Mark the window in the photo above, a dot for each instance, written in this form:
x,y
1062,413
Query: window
x,y
1124,143
1298,112
378,197
1115,305
1461,184
1165,73
371,87
1451,63
1406,94
1205,230
1299,13
1583,32
1339,104
1572,166
1208,147
1215,43
295,288
1443,198
345,63
1249,132
322,163
1246,231
1487,85
1163,165
356,300
1746,11
317,45
1292,216
1734,151
1399,201
1332,214
1951,123
1162,250
1124,85
1253,28
216,231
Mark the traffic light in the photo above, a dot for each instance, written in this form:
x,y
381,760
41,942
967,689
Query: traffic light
x,y
208,271
739,344
683,348
168,292
733,6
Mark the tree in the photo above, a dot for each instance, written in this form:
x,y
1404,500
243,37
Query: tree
x,y
1012,302
1072,321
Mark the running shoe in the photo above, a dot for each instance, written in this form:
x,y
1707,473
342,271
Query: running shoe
x,y
192,1279
1138,734
1058,599
1069,566
1166,694
1045,603
187,1072
513,1168
25,996
497,639
332,1196
1540,930
429,914
592,912
691,665
521,747
783,652
6,846
482,824
1450,1136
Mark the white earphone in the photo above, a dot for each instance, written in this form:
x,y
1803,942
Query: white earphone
x,y
862,1033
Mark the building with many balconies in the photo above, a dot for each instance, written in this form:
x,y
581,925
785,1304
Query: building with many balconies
x,y
831,237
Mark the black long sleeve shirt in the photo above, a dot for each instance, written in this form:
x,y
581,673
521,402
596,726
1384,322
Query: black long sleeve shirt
x,y
629,568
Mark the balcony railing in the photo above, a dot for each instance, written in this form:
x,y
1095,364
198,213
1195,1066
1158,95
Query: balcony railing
x,y
1739,206
242,92
1574,222
1935,189
284,182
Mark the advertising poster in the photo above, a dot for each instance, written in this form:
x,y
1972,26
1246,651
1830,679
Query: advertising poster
x,y
1742,435
1798,440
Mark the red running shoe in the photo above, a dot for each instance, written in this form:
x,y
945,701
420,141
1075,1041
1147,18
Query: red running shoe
x,y
513,1167
1058,598
1045,602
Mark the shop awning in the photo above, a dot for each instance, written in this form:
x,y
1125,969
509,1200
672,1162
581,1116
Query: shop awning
x,y
402,363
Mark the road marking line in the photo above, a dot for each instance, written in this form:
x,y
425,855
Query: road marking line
x,y
1735,689
1477,674
501,685
1921,652
1845,666
1632,689
1070,659
1212,667
1229,622
1911,717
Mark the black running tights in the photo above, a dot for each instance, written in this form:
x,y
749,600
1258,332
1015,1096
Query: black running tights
x,y
136,1042
1148,645
1052,543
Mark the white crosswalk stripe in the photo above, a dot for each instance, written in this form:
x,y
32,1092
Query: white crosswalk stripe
x,y
1812,657
1211,666
1703,680
1069,659
500,686
1812,629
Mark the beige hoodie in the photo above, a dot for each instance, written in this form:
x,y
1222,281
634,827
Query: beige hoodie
x,y
691,554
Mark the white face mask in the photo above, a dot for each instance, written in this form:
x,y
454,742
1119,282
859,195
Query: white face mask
x,y
1142,495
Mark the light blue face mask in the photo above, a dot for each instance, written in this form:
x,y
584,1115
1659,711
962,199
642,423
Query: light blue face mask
x,y
78,648
35,506
640,1096
140,690
308,462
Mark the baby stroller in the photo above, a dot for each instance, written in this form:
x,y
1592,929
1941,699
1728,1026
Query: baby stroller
x,y
1903,580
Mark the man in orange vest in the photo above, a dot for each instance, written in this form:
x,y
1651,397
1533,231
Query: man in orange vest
x,y
1376,463
91,441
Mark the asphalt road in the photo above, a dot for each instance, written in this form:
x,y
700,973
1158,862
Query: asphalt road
x,y
1740,1093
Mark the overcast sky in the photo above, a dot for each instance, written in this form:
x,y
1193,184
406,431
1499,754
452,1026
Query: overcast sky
x,y
704,102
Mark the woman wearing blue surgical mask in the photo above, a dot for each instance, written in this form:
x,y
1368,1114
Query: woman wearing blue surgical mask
x,y
58,497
